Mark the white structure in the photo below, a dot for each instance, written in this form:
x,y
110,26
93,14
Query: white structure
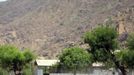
x,y
40,64
97,64
46,63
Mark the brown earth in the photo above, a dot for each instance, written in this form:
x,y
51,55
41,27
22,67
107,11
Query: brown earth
x,y
48,26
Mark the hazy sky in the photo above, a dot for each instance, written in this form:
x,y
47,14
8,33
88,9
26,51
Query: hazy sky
x,y
2,0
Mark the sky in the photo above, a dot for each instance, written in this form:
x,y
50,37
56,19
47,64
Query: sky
x,y
3,0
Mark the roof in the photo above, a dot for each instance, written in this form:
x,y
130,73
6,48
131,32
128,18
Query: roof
x,y
41,61
46,62
97,64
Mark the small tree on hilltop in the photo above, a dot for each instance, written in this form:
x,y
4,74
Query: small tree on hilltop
x,y
74,58
11,58
103,42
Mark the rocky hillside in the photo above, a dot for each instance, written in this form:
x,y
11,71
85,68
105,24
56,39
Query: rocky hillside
x,y
48,26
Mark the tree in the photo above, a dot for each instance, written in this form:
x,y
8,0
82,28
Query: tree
x,y
103,43
127,56
74,58
12,58
130,42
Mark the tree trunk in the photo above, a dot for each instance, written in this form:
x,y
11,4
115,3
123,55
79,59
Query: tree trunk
x,y
17,72
118,65
74,71
17,69
122,70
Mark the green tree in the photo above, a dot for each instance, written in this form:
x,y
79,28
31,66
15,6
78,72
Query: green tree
x,y
74,58
130,42
103,42
12,58
127,56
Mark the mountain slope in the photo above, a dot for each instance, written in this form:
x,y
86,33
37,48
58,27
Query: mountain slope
x,y
48,26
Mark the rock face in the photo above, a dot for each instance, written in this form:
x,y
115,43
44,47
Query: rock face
x,y
48,26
